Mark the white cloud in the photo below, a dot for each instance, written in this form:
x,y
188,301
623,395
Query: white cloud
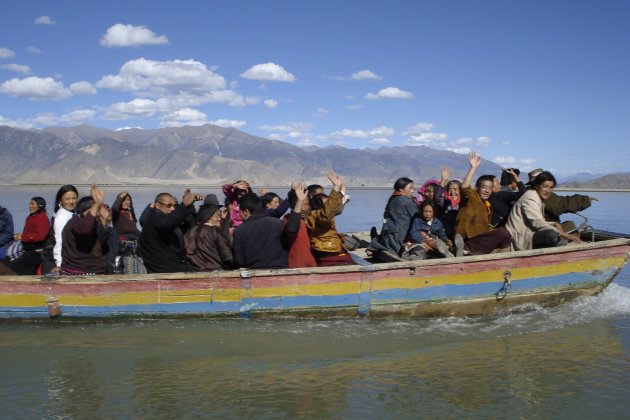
x,y
322,111
292,126
362,134
483,142
354,106
83,88
36,88
128,128
464,140
427,139
228,123
365,75
33,50
185,114
389,93
528,162
121,35
271,103
79,116
184,83
421,127
44,20
252,100
268,72
504,160
380,141
461,150
6,53
505,142
47,119
17,67
137,108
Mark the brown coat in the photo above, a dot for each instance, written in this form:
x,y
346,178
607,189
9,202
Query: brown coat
x,y
473,218
208,249
321,226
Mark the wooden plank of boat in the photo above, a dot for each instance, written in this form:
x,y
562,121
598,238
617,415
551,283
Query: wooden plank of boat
x,y
463,286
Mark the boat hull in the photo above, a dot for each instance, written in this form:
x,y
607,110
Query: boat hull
x,y
430,288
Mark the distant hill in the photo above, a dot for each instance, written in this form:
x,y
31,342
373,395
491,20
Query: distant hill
x,y
579,177
613,181
208,155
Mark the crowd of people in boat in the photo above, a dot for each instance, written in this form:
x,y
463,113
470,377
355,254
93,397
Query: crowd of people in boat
x,y
448,218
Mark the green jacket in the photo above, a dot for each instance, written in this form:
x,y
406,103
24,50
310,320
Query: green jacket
x,y
556,205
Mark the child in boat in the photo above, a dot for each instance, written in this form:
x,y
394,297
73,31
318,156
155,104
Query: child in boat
x,y
428,231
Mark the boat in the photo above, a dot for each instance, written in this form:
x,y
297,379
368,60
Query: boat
x,y
460,286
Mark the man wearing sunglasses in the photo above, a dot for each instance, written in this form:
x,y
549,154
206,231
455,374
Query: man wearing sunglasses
x,y
161,240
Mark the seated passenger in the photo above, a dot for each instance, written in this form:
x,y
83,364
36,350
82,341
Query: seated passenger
x,y
65,207
161,240
475,214
85,243
430,190
508,181
300,252
124,217
328,244
400,212
234,192
207,246
447,201
272,204
502,201
33,237
555,205
526,222
428,231
6,230
259,242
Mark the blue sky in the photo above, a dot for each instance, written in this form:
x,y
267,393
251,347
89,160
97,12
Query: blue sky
x,y
526,84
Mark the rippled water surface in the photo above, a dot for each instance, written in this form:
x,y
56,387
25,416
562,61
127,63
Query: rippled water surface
x,y
564,362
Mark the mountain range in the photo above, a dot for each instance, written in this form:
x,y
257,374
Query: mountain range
x,y
212,155
207,155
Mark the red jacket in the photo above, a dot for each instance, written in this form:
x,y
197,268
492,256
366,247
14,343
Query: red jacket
x,y
36,227
300,254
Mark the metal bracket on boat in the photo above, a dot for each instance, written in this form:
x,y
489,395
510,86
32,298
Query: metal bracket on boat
x,y
507,285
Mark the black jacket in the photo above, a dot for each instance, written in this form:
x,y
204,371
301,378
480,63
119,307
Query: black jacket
x,y
161,241
260,242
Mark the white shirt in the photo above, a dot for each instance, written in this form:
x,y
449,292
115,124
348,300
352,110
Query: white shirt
x,y
61,218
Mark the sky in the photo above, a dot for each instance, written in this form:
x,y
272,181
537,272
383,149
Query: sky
x,y
526,84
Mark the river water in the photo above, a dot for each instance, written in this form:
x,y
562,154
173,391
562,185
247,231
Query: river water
x,y
563,362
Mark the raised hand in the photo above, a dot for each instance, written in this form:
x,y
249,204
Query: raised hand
x,y
474,159
335,179
446,175
300,192
188,198
97,195
262,191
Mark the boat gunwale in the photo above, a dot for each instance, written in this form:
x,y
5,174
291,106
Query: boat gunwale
x,y
251,273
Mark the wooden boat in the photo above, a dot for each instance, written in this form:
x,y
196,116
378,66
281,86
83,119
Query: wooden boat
x,y
427,288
